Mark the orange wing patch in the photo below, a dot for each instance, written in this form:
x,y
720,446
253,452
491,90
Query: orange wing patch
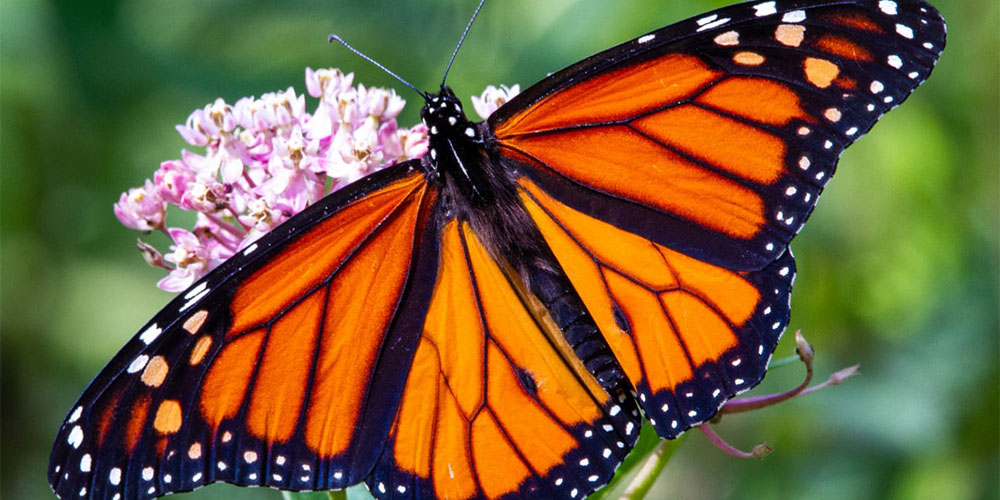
x,y
334,292
684,318
315,256
615,96
688,144
490,407
670,182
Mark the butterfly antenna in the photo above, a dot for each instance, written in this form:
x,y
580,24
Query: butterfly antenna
x,y
379,66
461,40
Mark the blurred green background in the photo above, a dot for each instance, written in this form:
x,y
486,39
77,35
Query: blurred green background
x,y
897,269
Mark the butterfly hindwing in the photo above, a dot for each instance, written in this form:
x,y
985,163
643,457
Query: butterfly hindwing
x,y
493,408
715,136
272,372
688,334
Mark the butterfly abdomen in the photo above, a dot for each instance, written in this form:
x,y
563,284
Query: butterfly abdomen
x,y
566,309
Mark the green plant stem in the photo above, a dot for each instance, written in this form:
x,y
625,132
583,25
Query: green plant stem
x,y
338,495
649,471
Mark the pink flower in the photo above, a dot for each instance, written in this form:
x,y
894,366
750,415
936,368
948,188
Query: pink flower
x,y
262,160
207,198
141,208
207,124
492,98
172,180
291,178
189,257
413,142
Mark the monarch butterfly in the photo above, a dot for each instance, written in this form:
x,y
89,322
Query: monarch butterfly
x,y
489,320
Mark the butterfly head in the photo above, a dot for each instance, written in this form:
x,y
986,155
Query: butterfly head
x,y
444,117
455,145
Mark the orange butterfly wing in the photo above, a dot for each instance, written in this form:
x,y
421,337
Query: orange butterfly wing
x,y
273,372
668,176
493,406
688,334
715,136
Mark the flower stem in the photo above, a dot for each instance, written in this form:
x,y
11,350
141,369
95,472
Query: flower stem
x,y
759,451
805,353
649,471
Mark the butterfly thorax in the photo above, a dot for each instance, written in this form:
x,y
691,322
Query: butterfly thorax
x,y
455,150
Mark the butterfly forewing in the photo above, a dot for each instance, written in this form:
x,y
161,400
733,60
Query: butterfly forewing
x,y
669,174
715,136
278,372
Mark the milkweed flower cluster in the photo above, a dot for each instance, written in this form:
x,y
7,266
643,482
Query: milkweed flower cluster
x,y
262,160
